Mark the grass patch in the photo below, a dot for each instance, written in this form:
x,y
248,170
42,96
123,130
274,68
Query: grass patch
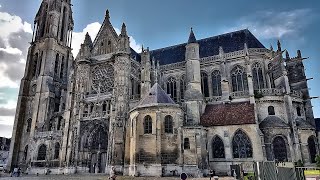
x,y
312,172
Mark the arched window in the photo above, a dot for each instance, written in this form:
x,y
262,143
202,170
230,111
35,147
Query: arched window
x,y
39,64
29,121
172,88
59,123
63,23
279,149
62,68
56,64
56,151
271,110
239,79
35,65
270,68
182,87
168,124
204,84
241,144
186,143
217,148
42,153
25,153
298,111
312,149
258,79
216,83
148,125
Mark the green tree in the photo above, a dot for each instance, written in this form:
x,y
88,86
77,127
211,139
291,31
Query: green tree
x,y
318,160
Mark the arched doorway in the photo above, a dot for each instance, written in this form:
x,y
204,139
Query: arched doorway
x,y
279,149
312,149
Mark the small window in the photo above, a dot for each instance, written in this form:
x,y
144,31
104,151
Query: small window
x,y
29,121
147,125
271,110
25,153
298,111
186,143
168,124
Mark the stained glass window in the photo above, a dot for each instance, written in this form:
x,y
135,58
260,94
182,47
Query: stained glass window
x,y
172,88
147,125
204,84
279,149
42,152
258,79
239,79
216,83
217,148
241,144
312,149
168,124
182,87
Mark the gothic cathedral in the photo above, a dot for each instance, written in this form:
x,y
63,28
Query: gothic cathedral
x,y
204,104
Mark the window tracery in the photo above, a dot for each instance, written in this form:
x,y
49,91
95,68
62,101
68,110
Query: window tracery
x,y
172,88
217,148
239,79
148,125
279,149
204,84
241,144
103,78
182,87
216,83
168,124
258,78
312,149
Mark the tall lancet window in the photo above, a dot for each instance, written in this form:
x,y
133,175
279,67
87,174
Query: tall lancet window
x,y
241,145
35,65
239,79
204,84
182,87
258,78
172,88
56,64
216,83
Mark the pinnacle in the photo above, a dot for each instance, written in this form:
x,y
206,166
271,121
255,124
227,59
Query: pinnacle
x,y
192,38
124,29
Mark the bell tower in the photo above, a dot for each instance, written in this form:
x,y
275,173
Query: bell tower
x,y
39,119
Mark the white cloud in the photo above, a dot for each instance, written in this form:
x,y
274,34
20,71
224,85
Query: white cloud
x,y
11,50
93,29
78,37
272,24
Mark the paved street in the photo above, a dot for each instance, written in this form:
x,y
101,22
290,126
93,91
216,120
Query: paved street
x,y
96,177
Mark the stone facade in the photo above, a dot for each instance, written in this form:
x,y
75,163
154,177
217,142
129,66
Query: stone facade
x,y
205,104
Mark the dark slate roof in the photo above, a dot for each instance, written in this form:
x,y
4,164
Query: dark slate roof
x,y
303,124
230,42
156,95
272,122
228,114
135,55
317,121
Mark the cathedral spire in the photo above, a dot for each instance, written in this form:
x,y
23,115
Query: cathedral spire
x,y
192,37
87,40
279,45
107,14
123,30
299,54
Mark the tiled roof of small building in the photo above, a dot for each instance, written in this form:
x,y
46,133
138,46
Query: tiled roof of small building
x,y
303,124
156,95
230,42
228,114
272,122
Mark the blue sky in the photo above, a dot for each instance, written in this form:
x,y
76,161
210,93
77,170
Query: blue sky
x,y
163,23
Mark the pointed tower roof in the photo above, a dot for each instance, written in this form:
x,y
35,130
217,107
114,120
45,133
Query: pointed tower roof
x,y
192,37
87,40
124,29
156,95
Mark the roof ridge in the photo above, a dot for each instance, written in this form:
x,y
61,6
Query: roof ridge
x,y
224,34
